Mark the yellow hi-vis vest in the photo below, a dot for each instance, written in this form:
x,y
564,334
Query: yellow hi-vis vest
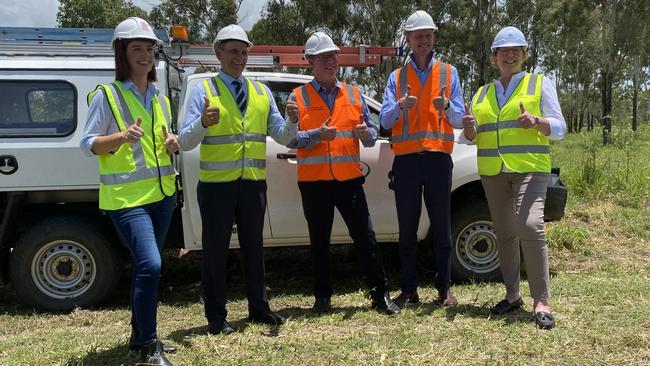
x,y
235,147
140,172
499,138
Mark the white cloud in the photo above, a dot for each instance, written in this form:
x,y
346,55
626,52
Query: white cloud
x,y
31,13
23,13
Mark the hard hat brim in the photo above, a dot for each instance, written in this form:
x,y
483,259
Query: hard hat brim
x,y
421,27
509,44
218,40
328,49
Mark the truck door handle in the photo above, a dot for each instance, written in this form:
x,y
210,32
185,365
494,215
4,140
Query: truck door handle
x,y
285,156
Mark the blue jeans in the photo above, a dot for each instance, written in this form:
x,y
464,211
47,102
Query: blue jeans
x,y
143,230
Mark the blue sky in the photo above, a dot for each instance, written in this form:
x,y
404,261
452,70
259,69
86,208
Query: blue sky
x,y
15,13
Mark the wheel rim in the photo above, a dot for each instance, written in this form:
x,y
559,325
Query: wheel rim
x,y
476,248
63,269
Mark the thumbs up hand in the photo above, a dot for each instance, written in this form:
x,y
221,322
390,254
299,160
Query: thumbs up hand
x,y
210,114
171,141
134,132
441,102
292,109
407,101
468,124
326,132
361,129
468,119
525,119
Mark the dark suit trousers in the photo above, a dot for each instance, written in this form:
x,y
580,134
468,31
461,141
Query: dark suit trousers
x,y
221,204
318,201
427,173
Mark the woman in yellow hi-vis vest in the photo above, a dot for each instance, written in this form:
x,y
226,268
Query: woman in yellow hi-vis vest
x,y
512,120
127,129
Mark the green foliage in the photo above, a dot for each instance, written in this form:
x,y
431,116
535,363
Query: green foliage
x,y
569,237
96,13
617,172
203,18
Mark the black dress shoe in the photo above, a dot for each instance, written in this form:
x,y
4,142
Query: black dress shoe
x,y
134,345
406,298
152,354
321,305
505,306
544,320
223,327
266,317
385,304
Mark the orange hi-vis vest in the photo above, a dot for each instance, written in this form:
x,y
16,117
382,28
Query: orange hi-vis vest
x,y
422,128
330,160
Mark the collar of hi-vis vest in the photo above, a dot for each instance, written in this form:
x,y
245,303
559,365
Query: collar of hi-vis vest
x,y
214,86
403,83
528,86
215,91
306,100
115,94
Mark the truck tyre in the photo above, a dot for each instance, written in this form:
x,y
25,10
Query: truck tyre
x,y
474,255
64,262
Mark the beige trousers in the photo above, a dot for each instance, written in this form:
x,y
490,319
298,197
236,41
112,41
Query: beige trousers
x,y
516,202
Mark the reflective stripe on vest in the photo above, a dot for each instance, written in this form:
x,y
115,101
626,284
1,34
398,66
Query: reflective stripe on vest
x,y
134,175
423,128
235,147
330,160
500,140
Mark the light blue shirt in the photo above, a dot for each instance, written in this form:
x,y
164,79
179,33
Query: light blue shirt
x,y
390,110
193,131
100,120
310,138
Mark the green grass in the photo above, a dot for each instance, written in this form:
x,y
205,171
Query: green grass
x,y
600,265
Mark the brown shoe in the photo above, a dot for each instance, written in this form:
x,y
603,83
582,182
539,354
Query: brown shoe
x,y
406,297
447,298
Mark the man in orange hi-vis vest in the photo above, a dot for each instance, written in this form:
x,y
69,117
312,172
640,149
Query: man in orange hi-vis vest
x,y
332,118
423,102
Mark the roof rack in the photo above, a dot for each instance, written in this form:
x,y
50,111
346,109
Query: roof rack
x,y
85,42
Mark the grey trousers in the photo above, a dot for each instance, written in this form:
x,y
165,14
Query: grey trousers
x,y
516,202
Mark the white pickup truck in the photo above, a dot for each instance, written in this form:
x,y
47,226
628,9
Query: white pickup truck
x,y
59,251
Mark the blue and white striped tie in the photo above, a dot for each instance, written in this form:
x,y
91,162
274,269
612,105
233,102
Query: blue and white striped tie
x,y
240,98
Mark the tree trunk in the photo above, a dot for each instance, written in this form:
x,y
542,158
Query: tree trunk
x,y
635,100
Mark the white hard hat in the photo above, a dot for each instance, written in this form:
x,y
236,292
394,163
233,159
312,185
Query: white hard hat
x,y
134,28
318,43
232,32
509,37
419,20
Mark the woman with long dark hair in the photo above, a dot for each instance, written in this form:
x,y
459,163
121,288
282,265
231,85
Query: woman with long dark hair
x,y
127,129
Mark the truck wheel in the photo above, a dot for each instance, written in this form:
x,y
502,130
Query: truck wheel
x,y
64,262
474,255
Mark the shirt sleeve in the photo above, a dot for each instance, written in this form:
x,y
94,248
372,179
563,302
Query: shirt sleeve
x,y
456,109
390,109
551,110
281,130
100,122
193,131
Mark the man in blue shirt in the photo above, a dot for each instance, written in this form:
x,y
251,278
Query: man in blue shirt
x,y
227,115
422,141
